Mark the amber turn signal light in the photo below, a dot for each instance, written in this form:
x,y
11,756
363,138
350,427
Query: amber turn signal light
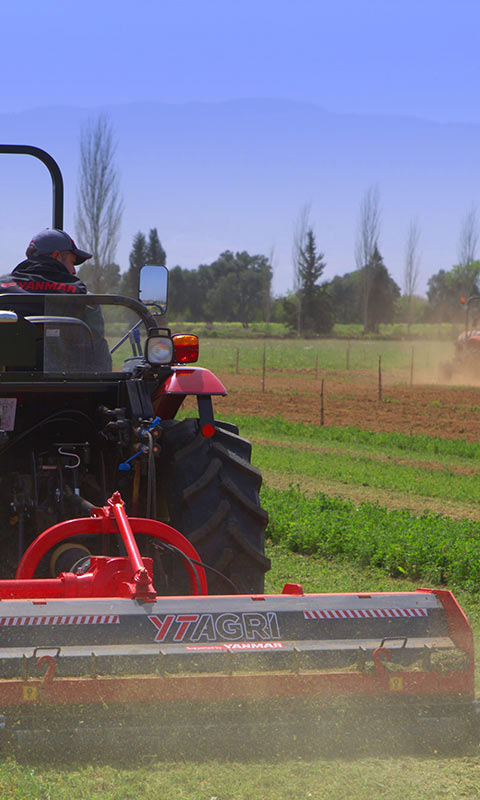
x,y
185,348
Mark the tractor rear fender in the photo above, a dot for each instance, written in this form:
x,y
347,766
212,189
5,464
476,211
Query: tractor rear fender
x,y
183,381
190,380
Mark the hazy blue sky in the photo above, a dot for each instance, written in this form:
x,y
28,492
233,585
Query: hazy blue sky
x,y
415,57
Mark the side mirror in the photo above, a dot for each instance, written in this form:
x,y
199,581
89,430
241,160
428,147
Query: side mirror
x,y
153,286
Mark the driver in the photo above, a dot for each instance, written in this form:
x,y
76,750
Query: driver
x,y
52,256
49,268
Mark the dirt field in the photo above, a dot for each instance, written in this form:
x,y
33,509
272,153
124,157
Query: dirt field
x,y
450,412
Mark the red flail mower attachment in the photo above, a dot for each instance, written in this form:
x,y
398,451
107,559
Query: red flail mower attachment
x,y
101,653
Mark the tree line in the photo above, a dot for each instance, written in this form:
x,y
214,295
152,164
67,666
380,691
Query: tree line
x,y
237,286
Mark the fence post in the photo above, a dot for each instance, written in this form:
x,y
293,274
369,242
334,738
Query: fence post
x,y
316,367
263,367
322,407
379,377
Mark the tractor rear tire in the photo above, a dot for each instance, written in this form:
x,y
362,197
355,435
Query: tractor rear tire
x,y
212,495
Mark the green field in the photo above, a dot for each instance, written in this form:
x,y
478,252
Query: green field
x,y
310,356
365,779
230,348
456,452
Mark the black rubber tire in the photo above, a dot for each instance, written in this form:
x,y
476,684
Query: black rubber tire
x,y
213,499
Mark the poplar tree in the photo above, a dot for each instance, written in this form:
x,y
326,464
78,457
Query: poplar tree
x,y
314,300
99,202
367,241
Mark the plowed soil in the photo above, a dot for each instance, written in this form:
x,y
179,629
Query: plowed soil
x,y
449,412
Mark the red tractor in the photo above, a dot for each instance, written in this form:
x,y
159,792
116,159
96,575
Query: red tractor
x,y
132,601
466,360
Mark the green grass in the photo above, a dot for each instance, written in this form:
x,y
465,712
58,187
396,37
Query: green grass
x,y
361,470
428,546
399,330
413,464
353,459
277,429
367,779
431,547
236,348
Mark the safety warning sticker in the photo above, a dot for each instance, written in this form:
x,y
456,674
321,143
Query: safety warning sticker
x,y
358,613
70,619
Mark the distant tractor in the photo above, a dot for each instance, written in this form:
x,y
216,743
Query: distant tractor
x,y
466,360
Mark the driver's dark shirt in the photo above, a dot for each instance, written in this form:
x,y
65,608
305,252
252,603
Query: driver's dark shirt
x,y
45,275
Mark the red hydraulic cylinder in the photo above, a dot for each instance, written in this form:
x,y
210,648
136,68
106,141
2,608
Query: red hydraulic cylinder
x,y
110,519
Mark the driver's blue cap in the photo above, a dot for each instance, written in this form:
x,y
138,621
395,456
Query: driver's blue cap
x,y
50,239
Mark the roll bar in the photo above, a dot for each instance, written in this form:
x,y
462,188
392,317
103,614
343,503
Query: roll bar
x,y
54,170
13,299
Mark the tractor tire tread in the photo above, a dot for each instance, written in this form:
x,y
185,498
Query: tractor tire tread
x,y
213,499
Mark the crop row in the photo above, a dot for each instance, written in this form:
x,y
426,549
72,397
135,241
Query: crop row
x,y
362,470
279,429
432,547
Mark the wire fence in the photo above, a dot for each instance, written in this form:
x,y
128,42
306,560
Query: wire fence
x,y
403,362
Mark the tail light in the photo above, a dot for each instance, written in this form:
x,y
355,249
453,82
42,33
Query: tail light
x,y
185,348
